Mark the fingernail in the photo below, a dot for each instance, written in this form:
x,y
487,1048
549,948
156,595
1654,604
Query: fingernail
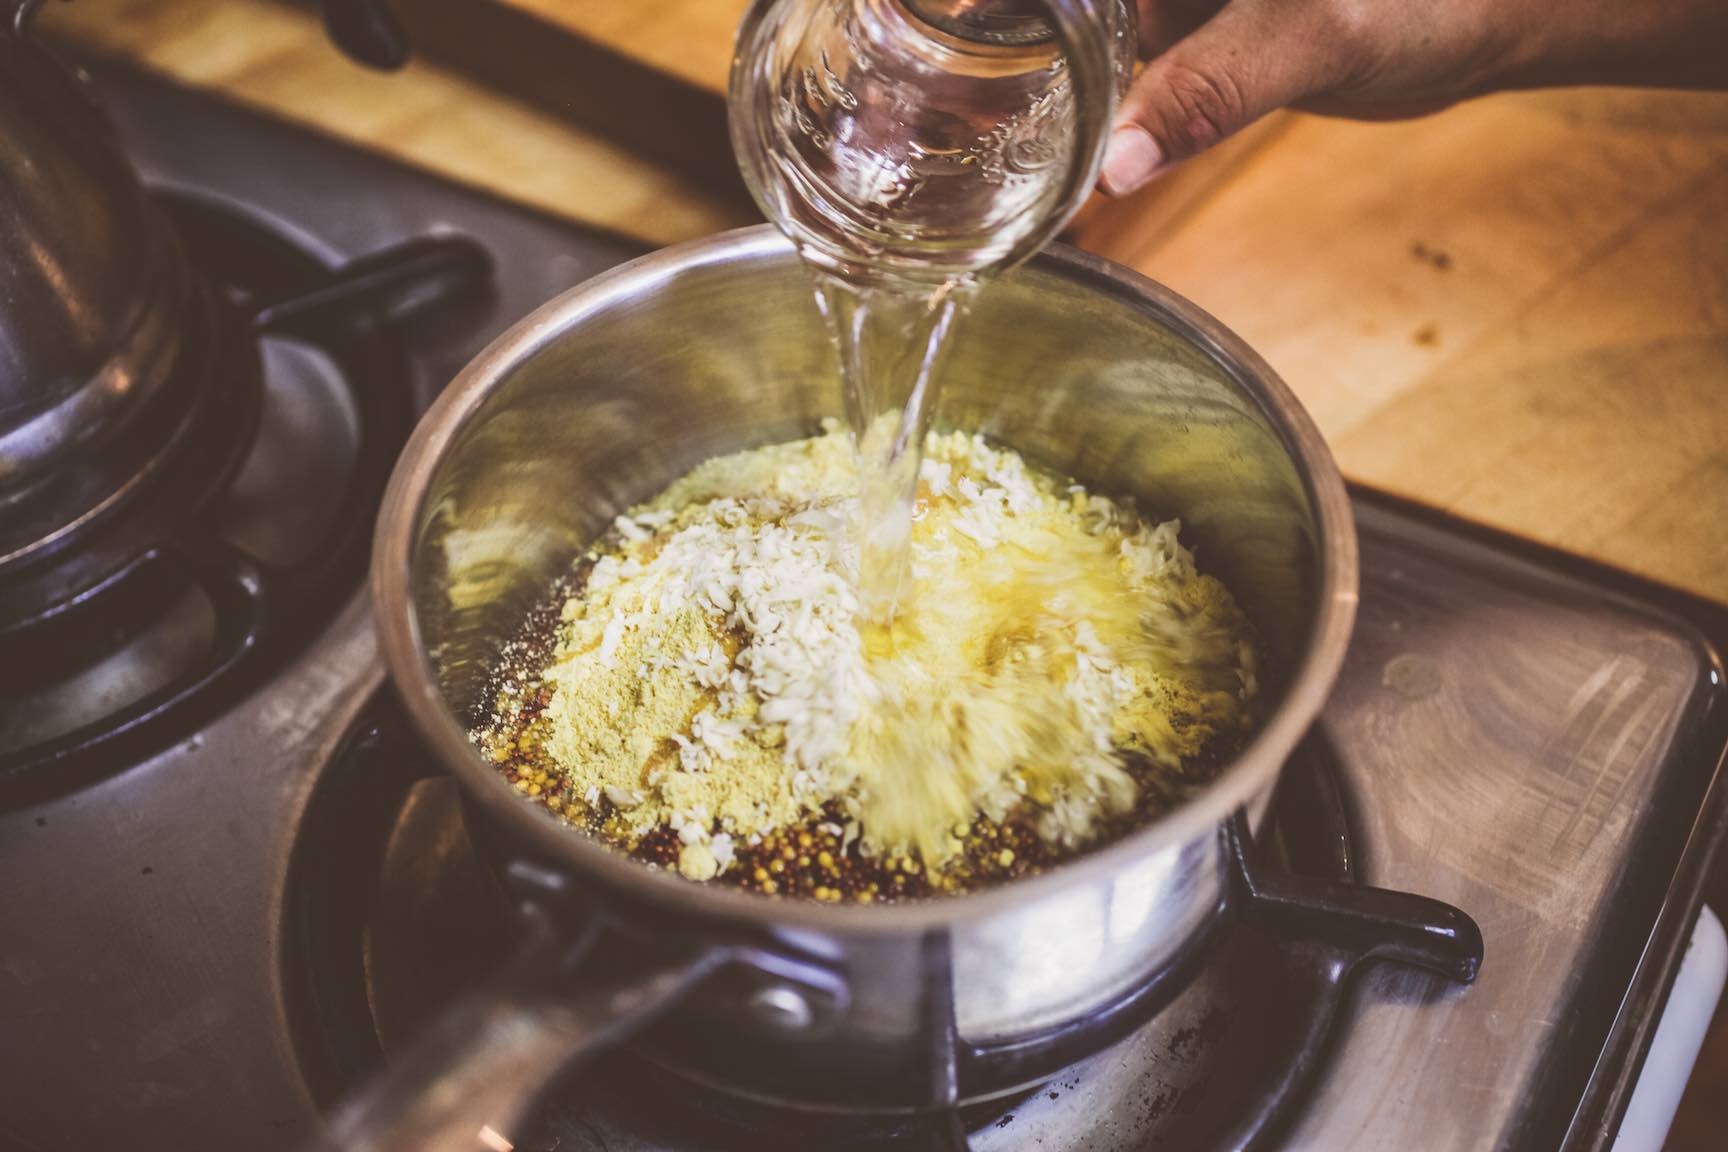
x,y
1130,159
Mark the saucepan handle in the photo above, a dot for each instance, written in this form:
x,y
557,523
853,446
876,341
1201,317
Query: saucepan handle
x,y
1376,924
468,1081
1360,922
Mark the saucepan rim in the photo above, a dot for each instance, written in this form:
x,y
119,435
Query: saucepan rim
x,y
544,838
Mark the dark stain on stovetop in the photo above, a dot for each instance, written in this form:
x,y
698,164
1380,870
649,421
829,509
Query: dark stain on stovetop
x,y
1191,1041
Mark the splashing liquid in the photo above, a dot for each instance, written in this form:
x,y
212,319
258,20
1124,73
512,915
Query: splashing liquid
x,y
910,149
891,339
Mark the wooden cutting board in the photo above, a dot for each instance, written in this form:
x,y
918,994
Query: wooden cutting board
x,y
1516,310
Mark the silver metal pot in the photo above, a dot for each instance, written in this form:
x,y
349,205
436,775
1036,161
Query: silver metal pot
x,y
603,396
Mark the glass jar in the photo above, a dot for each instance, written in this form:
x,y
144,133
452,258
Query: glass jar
x,y
925,139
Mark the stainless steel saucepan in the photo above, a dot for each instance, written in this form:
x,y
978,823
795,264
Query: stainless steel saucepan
x,y
605,395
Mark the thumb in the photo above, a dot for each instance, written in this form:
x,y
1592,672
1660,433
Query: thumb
x,y
1243,63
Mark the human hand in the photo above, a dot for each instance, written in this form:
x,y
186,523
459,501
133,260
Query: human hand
x,y
1216,66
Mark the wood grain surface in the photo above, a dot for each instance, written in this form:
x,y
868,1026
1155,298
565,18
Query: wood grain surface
x,y
688,39
1516,310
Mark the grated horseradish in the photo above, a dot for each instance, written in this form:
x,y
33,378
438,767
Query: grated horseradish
x,y
713,692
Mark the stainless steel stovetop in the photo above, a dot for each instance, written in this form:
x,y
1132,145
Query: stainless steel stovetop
x,y
1529,739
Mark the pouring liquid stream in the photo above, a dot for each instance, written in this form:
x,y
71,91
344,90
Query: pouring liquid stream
x,y
909,148
891,339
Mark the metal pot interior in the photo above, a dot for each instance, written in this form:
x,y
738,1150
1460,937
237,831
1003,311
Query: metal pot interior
x,y
731,353
603,398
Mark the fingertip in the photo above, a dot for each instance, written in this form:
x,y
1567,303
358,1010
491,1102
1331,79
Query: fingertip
x,y
1131,158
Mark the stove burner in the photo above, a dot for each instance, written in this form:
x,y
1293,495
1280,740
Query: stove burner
x,y
244,525
393,914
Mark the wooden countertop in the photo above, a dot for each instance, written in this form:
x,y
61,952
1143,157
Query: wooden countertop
x,y
1516,310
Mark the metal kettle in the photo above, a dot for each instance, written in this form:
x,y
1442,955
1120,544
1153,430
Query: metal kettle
x,y
98,304
93,292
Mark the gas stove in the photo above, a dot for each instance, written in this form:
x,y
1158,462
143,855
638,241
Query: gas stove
x,y
215,927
